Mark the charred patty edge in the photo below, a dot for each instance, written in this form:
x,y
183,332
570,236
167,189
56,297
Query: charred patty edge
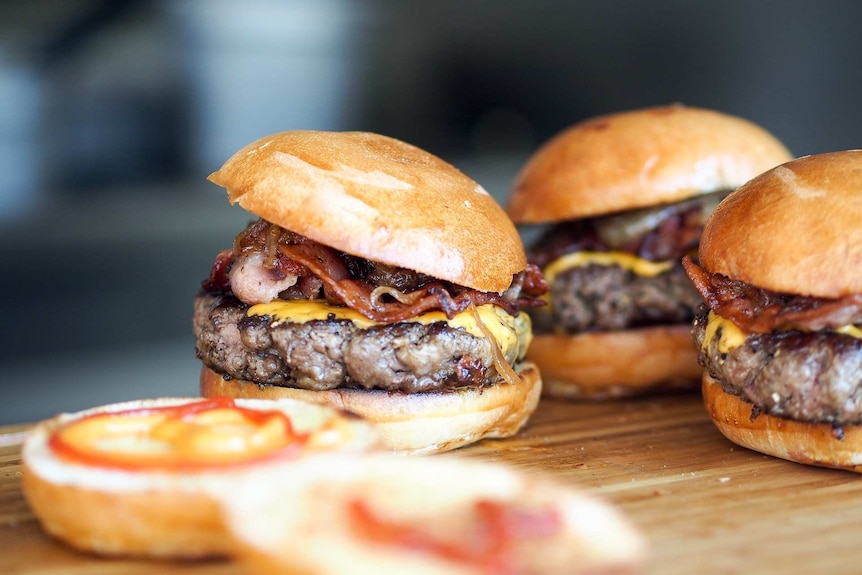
x,y
327,354
598,297
805,376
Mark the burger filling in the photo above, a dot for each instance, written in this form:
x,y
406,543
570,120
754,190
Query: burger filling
x,y
790,356
621,271
281,309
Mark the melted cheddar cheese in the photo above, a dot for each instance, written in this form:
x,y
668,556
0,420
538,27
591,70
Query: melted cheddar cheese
x,y
626,261
512,333
850,330
731,336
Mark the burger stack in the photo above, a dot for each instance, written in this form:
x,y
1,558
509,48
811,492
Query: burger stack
x,y
374,306
381,302
620,199
779,336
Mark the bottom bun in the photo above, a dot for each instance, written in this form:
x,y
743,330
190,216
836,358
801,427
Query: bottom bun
x,y
800,441
167,513
604,365
138,524
376,515
416,423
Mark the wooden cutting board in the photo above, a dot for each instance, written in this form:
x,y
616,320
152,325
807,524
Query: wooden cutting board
x,y
705,505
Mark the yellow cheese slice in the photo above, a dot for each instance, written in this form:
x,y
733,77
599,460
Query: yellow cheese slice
x,y
731,336
635,264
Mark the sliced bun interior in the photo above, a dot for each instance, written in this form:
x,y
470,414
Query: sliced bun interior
x,y
425,520
165,513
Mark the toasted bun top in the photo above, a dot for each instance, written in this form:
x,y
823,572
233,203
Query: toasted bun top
x,y
638,159
378,198
794,229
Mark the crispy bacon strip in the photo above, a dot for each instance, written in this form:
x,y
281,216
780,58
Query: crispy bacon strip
x,y
676,235
343,281
219,279
533,283
758,310
357,295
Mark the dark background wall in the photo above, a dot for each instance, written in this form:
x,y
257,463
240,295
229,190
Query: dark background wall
x,y
112,113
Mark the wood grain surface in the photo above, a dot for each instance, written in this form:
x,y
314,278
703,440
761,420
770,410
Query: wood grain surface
x,y
705,505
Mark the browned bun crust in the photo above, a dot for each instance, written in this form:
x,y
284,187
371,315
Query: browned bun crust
x,y
794,229
162,514
603,365
799,441
416,423
378,198
131,524
640,158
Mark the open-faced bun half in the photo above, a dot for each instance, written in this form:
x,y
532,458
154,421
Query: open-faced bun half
x,y
818,196
640,158
800,441
173,513
416,423
602,365
442,515
378,198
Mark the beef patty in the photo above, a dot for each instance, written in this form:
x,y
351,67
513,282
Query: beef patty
x,y
607,298
806,376
326,354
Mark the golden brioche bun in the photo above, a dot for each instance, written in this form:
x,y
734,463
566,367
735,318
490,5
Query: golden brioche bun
x,y
113,511
640,158
309,526
799,441
794,229
612,364
378,198
416,423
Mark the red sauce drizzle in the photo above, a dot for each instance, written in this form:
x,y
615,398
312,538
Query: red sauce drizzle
x,y
291,446
490,546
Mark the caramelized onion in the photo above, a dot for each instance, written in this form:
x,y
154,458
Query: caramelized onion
x,y
273,234
502,366
617,230
321,257
395,293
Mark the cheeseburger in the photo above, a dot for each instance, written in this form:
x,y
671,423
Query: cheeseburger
x,y
780,271
378,279
623,198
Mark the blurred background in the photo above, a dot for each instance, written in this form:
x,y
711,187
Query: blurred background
x,y
113,112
